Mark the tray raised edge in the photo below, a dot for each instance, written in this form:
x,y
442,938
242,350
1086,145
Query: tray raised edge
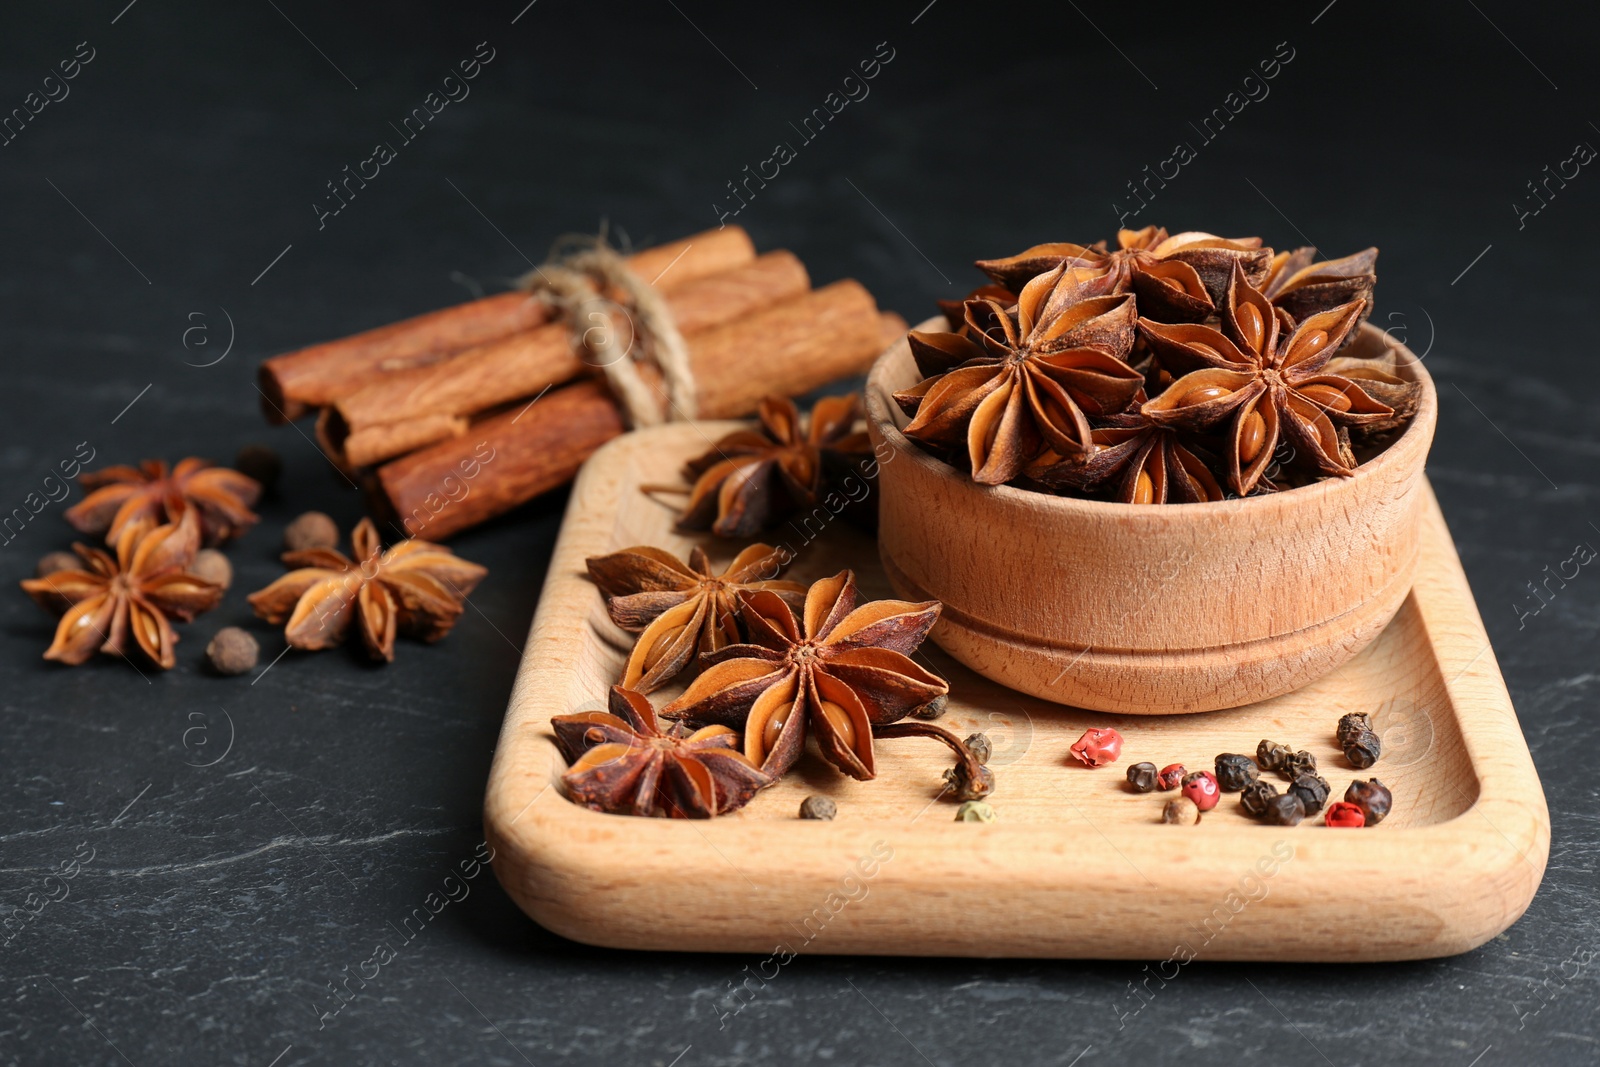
x,y
1024,890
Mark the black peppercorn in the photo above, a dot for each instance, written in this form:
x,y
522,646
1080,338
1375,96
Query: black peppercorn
x,y
979,746
1312,791
1234,771
1350,725
1362,749
1270,755
1299,763
1286,810
932,709
1142,777
261,463
1372,797
1256,796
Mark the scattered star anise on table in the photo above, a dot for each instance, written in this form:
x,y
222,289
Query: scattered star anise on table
x,y
1025,379
121,495
835,672
622,762
417,588
1263,376
134,592
681,609
755,477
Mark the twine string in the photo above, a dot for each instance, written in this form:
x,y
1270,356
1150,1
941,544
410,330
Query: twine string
x,y
592,290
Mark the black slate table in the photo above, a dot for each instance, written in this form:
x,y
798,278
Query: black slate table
x,y
168,222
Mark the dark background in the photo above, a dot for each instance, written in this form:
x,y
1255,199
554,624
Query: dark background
x,y
223,898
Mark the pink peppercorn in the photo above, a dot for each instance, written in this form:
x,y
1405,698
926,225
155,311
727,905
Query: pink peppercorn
x,y
1201,787
1097,747
1343,814
1170,777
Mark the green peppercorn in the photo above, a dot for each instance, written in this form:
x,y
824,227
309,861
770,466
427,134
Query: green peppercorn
x,y
1270,755
975,811
1142,777
1362,748
1286,810
979,746
1256,796
1312,791
1350,725
1372,797
1234,771
1298,763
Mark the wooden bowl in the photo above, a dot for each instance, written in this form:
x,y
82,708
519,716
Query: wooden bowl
x,y
1151,610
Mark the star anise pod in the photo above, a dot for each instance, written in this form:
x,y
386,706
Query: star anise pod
x,y
834,672
680,609
1303,287
754,477
417,588
1024,379
1143,461
1178,278
133,592
621,762
121,495
1264,377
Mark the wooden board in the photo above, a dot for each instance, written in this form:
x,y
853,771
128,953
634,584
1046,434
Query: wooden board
x,y
1077,865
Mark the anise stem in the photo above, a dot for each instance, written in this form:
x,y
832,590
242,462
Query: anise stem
x,y
969,778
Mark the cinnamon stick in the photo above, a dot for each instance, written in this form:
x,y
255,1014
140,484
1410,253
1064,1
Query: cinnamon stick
x,y
417,407
295,382
515,456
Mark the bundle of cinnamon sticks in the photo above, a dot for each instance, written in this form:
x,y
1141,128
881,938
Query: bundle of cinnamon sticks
x,y
461,414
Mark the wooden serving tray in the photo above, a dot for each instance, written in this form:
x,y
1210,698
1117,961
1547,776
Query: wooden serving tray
x,y
1077,865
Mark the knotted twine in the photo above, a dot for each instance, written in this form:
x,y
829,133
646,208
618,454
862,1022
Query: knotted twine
x,y
580,281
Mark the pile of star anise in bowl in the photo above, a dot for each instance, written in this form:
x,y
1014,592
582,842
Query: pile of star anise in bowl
x,y
1045,415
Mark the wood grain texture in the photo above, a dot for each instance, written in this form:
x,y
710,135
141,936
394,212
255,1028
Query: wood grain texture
x,y
1151,610
1077,866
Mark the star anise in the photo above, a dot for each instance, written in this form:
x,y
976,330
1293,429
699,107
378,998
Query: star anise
x,y
1178,278
620,761
1303,288
681,609
135,591
122,495
416,587
755,477
1264,376
1024,379
835,672
1143,461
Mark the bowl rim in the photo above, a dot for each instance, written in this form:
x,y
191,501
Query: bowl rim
x,y
1413,443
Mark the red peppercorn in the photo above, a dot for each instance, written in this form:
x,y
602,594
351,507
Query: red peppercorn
x,y
1171,777
1201,787
1098,747
1342,813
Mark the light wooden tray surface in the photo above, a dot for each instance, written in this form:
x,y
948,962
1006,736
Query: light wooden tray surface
x,y
1077,865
